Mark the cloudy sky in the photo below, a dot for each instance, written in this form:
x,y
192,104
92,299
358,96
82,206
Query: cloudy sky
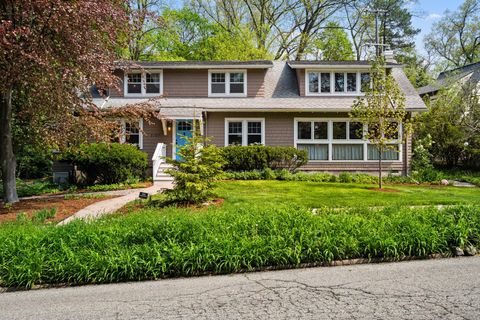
x,y
427,12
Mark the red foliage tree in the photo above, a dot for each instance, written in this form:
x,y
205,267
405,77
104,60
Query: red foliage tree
x,y
51,51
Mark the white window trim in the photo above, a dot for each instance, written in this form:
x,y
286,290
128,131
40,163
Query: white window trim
x,y
330,141
244,129
140,132
345,93
143,85
227,83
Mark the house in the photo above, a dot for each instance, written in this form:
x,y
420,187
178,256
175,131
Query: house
x,y
303,104
468,74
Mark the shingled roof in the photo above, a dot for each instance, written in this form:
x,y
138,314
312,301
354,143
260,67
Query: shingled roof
x,y
281,94
191,64
448,77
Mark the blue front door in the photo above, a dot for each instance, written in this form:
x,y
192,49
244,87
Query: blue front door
x,y
183,131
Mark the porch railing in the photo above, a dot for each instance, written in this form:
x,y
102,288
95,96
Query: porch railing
x,y
159,157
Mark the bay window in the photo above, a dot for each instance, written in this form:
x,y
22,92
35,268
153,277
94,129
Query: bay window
x,y
227,83
244,132
340,140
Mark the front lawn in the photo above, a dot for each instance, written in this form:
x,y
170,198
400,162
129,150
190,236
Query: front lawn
x,y
316,195
260,224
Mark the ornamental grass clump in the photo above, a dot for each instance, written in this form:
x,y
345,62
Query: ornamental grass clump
x,y
154,243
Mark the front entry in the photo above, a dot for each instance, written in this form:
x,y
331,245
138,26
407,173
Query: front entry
x,y
183,130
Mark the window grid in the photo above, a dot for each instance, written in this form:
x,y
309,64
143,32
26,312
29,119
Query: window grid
x,y
337,82
143,83
352,145
227,83
244,131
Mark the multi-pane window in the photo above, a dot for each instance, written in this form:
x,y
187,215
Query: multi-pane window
x,y
134,83
244,132
218,82
351,82
340,140
319,82
132,133
339,82
152,83
237,82
235,134
365,81
227,83
143,83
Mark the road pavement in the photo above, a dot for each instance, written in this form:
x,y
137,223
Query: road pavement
x,y
427,289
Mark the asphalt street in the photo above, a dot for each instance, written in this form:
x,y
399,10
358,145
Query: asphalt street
x,y
426,289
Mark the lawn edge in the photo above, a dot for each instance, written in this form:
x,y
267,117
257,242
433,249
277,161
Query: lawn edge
x,y
334,263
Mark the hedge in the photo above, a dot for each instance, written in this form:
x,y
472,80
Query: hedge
x,y
109,163
257,157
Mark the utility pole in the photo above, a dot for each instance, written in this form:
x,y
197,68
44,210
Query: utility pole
x,y
377,44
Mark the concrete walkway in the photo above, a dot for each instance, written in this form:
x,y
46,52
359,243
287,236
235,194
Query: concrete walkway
x,y
101,208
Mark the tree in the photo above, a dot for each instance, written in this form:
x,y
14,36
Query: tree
x,y
51,52
395,24
453,121
382,111
194,174
144,22
188,36
416,67
333,44
456,37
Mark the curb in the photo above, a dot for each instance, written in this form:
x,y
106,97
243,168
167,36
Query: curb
x,y
335,263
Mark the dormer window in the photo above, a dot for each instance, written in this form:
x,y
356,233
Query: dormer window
x,y
227,83
147,83
336,83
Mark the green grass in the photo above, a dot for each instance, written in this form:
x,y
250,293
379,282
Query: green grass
x,y
154,243
316,195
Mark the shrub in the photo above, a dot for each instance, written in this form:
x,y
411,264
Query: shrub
x,y
194,174
109,163
164,243
257,157
345,177
269,174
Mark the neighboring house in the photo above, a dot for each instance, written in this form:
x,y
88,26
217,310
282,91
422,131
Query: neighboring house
x,y
469,74
302,104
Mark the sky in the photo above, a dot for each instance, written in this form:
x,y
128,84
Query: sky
x,y
427,12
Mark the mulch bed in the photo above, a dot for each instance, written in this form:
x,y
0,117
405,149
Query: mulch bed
x,y
65,207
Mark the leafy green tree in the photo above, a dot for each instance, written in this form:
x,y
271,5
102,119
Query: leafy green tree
x,y
395,24
456,37
382,110
453,121
188,36
416,68
333,44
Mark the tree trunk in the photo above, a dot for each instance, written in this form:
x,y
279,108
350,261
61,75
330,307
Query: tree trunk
x,y
380,183
7,158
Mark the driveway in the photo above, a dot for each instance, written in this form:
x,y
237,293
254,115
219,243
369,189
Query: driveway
x,y
430,289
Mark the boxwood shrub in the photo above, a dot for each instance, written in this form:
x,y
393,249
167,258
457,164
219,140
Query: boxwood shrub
x,y
109,163
257,157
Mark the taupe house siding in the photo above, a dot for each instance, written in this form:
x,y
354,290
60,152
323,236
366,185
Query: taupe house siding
x,y
279,131
301,81
185,83
180,83
153,134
